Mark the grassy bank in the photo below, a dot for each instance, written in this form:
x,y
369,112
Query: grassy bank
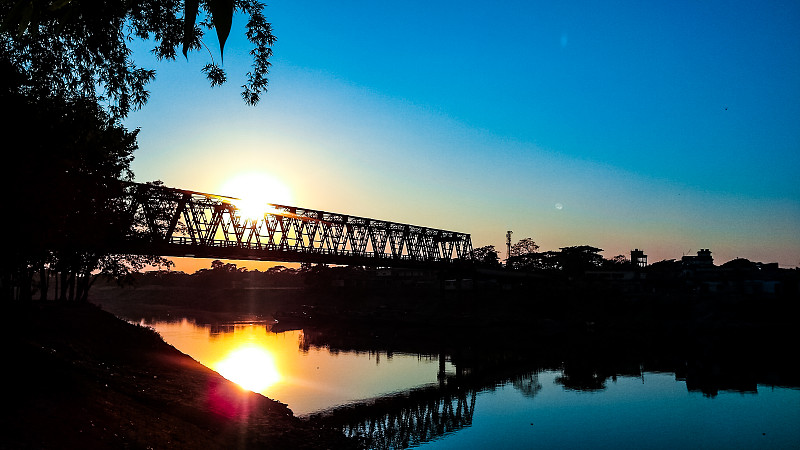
x,y
78,377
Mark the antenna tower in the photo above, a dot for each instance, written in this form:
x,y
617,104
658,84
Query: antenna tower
x,y
508,245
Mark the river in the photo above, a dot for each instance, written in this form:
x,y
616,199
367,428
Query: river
x,y
395,400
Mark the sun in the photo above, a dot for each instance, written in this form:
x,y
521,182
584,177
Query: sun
x,y
251,367
255,191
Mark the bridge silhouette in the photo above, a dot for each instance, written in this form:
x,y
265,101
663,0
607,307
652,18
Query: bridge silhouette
x,y
184,223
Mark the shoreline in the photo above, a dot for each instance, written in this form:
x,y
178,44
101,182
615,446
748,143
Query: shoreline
x,y
82,377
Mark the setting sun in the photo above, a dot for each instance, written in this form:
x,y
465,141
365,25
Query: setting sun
x,y
251,367
255,192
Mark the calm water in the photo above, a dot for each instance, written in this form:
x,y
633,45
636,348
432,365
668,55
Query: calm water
x,y
654,411
307,380
651,410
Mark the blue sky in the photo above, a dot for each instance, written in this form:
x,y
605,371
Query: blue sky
x,y
668,127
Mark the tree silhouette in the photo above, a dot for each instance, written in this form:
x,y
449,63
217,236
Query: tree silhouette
x,y
576,260
486,256
523,255
80,48
66,160
617,262
524,247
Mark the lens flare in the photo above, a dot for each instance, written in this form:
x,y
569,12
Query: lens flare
x,y
251,367
256,191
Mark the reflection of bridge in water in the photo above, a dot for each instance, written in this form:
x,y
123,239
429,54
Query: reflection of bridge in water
x,y
408,419
177,222
424,413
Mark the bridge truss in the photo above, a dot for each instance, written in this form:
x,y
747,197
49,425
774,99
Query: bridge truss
x,y
177,222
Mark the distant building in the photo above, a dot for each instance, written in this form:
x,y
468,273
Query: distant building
x,y
638,258
703,259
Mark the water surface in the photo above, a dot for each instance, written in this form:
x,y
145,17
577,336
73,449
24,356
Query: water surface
x,y
308,379
413,402
651,411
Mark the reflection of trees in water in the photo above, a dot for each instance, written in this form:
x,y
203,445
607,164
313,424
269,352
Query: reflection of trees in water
x,y
403,421
528,384
220,329
582,378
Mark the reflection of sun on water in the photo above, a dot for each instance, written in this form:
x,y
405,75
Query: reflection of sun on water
x,y
256,191
251,367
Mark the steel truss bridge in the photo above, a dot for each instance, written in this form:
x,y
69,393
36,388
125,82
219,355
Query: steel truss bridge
x,y
178,222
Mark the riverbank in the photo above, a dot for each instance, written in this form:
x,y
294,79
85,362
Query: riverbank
x,y
79,377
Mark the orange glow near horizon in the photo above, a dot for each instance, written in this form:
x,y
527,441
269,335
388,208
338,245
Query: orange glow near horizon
x,y
191,265
255,192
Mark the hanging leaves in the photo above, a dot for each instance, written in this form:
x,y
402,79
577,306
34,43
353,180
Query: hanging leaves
x,y
214,74
81,48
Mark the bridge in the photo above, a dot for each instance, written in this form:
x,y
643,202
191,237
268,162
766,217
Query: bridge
x,y
178,222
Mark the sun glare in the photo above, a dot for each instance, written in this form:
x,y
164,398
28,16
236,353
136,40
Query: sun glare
x,y
256,191
251,367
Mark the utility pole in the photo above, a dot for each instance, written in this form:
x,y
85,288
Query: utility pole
x,y
508,246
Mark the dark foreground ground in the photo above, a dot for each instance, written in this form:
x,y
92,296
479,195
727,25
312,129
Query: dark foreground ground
x,y
78,377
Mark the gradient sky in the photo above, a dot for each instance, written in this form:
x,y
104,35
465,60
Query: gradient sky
x,y
668,127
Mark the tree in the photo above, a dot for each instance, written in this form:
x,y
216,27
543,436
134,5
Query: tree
x,y
523,255
486,256
578,259
77,48
617,262
275,270
219,266
63,173
549,260
524,247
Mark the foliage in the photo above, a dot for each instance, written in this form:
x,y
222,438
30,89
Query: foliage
x,y
524,247
536,261
72,49
741,264
576,260
122,268
219,266
523,255
569,260
64,178
67,76
617,262
486,256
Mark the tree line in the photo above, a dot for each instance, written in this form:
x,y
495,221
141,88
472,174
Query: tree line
x,y
525,256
